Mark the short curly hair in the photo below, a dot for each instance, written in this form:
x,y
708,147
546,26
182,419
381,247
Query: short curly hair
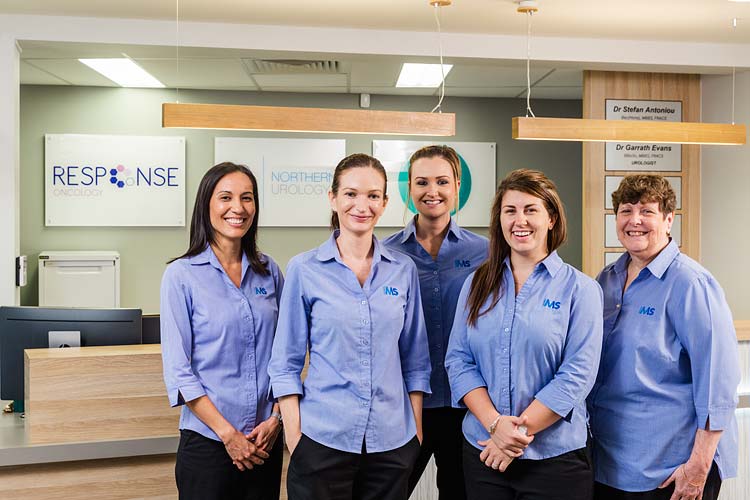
x,y
645,188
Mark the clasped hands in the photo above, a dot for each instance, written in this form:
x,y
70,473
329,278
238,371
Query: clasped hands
x,y
505,444
249,450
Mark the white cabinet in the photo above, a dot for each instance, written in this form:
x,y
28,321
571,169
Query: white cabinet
x,y
79,279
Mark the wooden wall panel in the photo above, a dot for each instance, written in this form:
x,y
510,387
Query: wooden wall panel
x,y
601,85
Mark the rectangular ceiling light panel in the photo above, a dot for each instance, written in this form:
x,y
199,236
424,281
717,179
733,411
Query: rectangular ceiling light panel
x,y
124,72
422,75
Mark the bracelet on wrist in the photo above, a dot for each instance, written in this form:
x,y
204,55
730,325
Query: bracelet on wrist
x,y
278,417
493,425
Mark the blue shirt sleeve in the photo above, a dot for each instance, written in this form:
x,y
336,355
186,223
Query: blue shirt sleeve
x,y
412,344
291,340
176,338
707,334
463,373
581,353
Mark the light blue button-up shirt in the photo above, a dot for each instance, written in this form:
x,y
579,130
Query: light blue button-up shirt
x,y
368,348
669,365
440,281
216,339
543,343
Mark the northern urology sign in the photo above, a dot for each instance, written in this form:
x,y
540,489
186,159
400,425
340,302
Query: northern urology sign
x,y
293,175
477,180
109,180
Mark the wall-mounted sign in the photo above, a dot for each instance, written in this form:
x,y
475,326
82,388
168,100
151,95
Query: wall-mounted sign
x,y
653,157
293,176
114,180
477,180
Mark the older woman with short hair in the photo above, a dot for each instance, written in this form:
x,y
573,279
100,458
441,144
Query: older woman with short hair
x,y
662,408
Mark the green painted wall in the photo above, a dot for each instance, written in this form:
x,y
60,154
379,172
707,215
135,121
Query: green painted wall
x,y
144,251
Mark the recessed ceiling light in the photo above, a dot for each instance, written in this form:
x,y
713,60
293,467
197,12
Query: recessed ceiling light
x,y
123,72
422,75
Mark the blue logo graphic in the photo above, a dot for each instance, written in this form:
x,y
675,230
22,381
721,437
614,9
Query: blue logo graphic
x,y
552,304
260,291
113,176
391,290
463,192
646,311
461,263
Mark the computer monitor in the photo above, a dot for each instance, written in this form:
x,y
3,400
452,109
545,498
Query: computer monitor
x,y
29,328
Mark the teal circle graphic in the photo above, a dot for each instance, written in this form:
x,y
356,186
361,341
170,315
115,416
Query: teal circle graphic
x,y
463,192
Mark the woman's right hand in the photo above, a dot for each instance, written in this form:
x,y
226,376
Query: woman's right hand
x,y
507,437
292,438
244,454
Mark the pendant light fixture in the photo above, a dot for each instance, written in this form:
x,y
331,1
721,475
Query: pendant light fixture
x,y
318,120
593,130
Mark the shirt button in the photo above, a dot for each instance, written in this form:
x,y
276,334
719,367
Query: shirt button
x,y
438,325
364,322
364,363
365,341
434,272
364,302
617,306
505,391
505,370
364,404
507,330
505,349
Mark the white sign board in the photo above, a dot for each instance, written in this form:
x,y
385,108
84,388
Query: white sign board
x,y
114,180
293,175
643,156
477,180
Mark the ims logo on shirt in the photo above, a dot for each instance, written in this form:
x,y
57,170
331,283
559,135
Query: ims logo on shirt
x,y
259,290
552,304
646,311
461,263
391,290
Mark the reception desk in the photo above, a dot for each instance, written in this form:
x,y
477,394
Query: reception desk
x,y
98,425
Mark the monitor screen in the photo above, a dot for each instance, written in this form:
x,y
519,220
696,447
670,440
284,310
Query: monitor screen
x,y
40,327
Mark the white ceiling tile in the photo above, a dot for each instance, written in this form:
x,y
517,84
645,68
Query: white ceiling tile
x,y
199,73
73,71
31,75
314,82
556,93
492,76
563,78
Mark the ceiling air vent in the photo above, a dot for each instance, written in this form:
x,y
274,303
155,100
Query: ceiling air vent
x,y
287,66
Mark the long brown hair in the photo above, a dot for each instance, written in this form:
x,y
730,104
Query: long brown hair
x,y
488,278
201,230
356,160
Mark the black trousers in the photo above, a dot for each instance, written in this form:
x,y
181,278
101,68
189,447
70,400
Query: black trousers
x,y
565,477
443,438
710,490
317,472
204,471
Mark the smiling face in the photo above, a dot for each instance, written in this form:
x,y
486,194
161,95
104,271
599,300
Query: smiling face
x,y
643,229
232,207
360,199
525,223
433,187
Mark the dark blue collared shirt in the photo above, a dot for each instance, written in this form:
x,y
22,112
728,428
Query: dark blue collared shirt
x,y
543,343
216,339
367,344
440,281
669,366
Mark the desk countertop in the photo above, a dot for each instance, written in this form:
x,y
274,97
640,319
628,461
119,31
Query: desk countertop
x,y
15,450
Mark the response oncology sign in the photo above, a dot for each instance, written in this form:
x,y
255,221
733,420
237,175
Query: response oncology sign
x,y
109,180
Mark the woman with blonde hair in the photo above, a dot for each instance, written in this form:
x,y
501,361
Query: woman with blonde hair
x,y
445,254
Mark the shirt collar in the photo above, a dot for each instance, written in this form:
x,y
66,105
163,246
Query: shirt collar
x,y
329,250
207,256
552,263
411,230
661,262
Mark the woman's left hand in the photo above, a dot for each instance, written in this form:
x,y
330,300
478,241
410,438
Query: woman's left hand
x,y
689,480
493,457
265,433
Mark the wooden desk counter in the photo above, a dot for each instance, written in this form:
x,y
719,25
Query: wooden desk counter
x,y
88,394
